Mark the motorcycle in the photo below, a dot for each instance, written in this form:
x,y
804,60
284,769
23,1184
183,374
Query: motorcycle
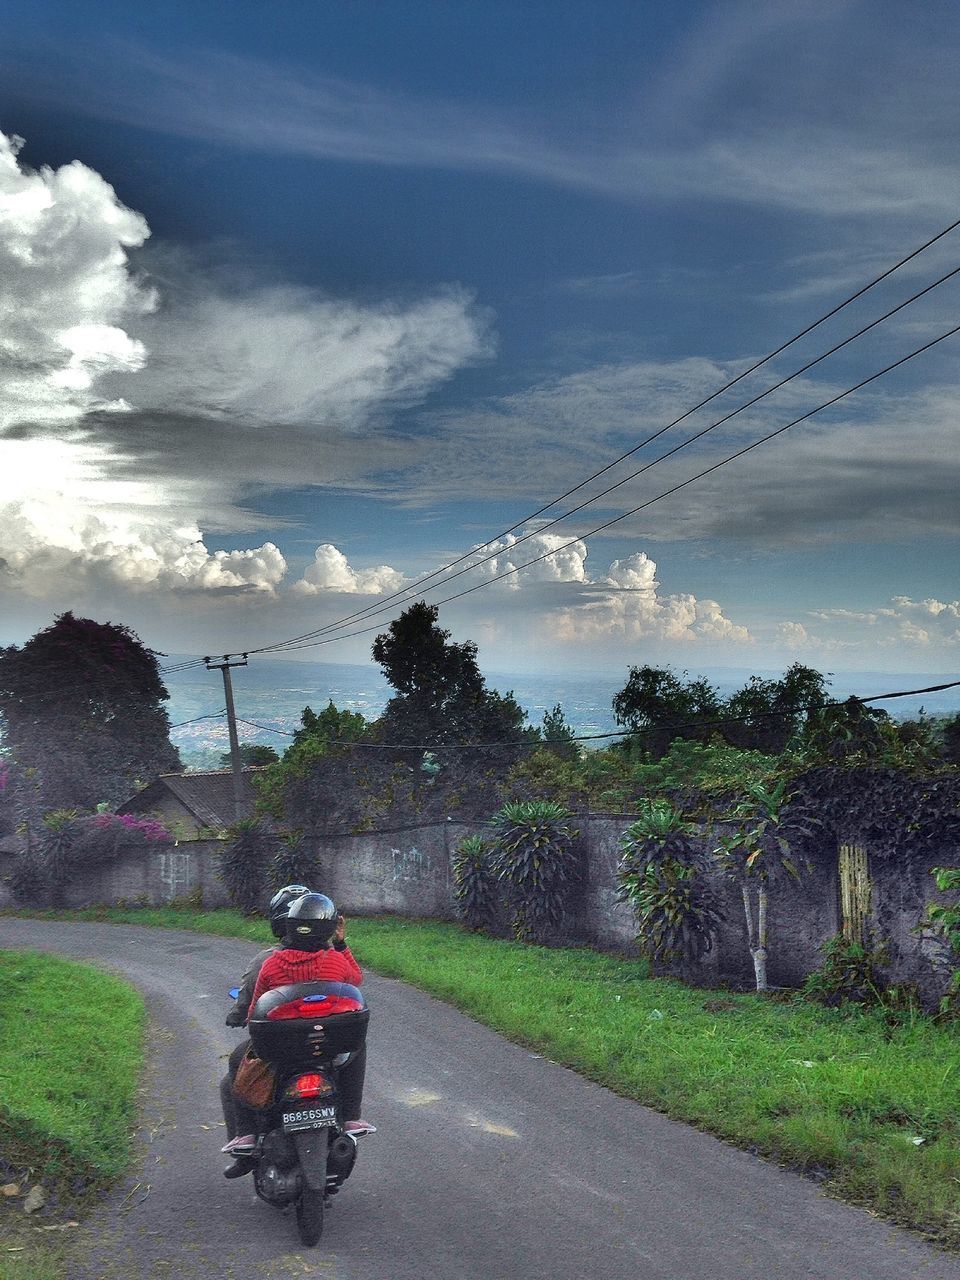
x,y
307,1032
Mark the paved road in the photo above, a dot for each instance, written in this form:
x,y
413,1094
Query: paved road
x,y
490,1162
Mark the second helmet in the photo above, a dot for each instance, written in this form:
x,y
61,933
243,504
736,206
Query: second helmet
x,y
280,904
311,922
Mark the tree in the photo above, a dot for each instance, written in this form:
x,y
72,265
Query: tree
x,y
951,740
558,736
314,784
656,703
81,706
441,696
766,714
252,754
765,842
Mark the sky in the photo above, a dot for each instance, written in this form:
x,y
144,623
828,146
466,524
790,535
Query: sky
x,y
303,302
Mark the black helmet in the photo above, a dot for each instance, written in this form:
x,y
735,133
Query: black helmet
x,y
311,922
280,905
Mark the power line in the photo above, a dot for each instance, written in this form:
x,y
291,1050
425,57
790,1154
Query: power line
x,y
213,715
371,610
414,587
658,497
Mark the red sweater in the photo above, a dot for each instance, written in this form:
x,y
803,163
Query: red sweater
x,y
288,965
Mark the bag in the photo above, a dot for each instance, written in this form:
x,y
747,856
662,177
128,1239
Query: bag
x,y
254,1082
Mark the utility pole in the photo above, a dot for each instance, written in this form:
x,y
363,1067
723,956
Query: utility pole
x,y
224,668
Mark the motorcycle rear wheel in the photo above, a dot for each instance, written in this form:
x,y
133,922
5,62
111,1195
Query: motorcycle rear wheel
x,y
310,1216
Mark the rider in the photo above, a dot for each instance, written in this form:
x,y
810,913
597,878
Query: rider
x,y
314,950
280,904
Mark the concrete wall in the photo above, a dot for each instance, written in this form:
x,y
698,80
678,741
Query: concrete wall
x,y
408,872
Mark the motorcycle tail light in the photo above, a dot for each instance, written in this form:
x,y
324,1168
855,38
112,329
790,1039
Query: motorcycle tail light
x,y
314,1084
314,1007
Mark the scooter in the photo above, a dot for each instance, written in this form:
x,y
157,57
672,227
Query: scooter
x,y
307,1032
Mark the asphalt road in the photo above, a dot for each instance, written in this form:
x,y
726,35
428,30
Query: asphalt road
x,y
489,1162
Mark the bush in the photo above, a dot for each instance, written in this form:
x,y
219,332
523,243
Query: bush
x,y
476,891
243,865
663,875
536,859
293,863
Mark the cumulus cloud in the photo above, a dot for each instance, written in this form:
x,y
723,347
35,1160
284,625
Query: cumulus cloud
x,y
133,417
902,623
622,603
67,288
331,572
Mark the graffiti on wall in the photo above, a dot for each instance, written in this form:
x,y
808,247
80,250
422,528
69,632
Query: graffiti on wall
x,y
175,874
409,864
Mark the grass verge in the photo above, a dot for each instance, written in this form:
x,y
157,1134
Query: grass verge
x,y
869,1106
70,1056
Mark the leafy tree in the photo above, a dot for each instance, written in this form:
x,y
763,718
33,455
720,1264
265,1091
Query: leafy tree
x,y
657,704
766,714
331,726
441,694
951,740
309,784
762,716
558,736
252,754
850,732
81,706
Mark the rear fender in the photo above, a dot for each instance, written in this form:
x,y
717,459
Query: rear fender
x,y
313,1147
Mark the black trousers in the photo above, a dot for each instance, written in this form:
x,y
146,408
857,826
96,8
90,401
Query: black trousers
x,y
239,1118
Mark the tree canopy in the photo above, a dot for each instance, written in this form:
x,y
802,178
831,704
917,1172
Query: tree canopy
x,y
441,695
761,716
83,721
252,754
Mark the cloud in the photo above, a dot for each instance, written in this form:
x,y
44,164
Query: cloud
x,y
927,625
799,108
331,572
880,466
133,416
64,238
623,602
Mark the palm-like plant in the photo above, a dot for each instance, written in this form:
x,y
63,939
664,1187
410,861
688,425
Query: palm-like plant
x,y
537,860
475,883
762,844
664,876
243,864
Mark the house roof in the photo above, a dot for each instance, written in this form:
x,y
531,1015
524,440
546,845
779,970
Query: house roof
x,y
207,796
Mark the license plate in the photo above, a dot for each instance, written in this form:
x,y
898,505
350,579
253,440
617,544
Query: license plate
x,y
309,1118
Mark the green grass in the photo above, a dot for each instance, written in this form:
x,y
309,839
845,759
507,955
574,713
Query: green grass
x,y
842,1093
70,1056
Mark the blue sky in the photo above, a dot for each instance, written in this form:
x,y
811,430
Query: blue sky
x,y
302,302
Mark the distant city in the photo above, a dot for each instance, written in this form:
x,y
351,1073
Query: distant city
x,y
272,694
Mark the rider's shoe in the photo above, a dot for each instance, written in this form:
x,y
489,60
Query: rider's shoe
x,y
245,1145
358,1128
242,1165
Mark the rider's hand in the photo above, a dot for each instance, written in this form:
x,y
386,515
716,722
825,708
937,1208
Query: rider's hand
x,y
338,933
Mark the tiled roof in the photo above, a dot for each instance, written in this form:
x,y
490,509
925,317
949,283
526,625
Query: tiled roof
x,y
208,796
